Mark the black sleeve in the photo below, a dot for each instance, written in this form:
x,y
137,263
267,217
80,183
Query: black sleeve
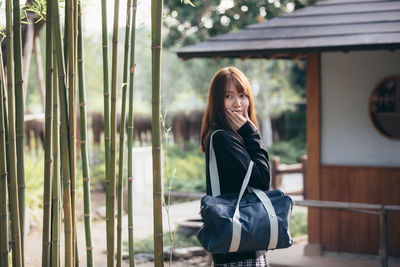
x,y
233,158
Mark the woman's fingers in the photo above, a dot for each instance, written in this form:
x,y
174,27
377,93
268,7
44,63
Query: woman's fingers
x,y
236,120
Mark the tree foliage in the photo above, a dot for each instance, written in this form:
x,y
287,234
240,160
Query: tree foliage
x,y
188,25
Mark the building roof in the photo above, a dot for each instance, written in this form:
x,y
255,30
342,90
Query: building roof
x,y
331,25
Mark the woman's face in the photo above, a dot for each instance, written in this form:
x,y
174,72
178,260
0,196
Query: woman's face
x,y
235,101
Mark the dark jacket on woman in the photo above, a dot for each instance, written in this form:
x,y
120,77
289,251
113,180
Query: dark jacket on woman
x,y
233,154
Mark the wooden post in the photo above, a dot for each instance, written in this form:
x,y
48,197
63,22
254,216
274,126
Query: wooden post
x,y
383,254
313,115
304,172
274,172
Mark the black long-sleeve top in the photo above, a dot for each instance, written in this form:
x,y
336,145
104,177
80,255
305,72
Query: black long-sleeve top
x,y
233,157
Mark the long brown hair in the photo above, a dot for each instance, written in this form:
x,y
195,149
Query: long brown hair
x,y
215,116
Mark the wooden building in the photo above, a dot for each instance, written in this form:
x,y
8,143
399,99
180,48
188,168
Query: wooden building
x,y
353,124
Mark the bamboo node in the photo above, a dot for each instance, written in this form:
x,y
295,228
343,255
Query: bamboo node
x,y
157,194
82,104
80,59
130,227
105,46
87,179
89,248
46,243
47,203
156,47
82,141
130,179
86,215
49,161
22,186
19,135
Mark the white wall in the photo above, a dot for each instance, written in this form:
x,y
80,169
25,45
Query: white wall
x,y
347,134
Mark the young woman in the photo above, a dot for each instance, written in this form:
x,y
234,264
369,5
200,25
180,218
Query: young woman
x,y
230,107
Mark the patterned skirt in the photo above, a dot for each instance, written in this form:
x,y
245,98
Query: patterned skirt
x,y
261,261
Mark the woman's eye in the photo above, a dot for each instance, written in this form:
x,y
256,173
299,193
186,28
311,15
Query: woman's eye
x,y
242,95
227,96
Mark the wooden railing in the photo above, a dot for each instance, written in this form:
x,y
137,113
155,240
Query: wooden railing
x,y
377,209
277,170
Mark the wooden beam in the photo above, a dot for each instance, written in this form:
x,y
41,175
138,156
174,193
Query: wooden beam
x,y
313,114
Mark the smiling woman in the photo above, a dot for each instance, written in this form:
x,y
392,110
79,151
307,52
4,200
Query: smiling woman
x,y
230,118
230,103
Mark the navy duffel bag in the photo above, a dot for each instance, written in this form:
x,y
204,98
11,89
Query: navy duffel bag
x,y
242,223
257,232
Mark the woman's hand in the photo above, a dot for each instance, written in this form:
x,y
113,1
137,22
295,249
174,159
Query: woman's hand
x,y
248,119
236,120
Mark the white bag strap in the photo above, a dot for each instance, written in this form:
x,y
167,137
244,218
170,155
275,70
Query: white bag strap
x,y
273,219
214,177
237,226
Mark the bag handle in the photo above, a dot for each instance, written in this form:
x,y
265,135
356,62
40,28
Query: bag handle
x,y
214,176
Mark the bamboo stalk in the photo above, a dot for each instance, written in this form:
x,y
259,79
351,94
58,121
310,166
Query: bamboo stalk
x,y
39,69
75,23
5,115
114,72
64,140
106,110
84,148
130,138
122,133
19,123
3,175
72,115
12,164
65,47
56,214
46,237
156,17
27,53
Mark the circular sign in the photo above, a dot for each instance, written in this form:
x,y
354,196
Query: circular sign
x,y
384,107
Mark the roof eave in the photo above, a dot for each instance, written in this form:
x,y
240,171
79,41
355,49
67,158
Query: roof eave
x,y
284,53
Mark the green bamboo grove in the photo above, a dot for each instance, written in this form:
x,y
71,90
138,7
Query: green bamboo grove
x,y
64,94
